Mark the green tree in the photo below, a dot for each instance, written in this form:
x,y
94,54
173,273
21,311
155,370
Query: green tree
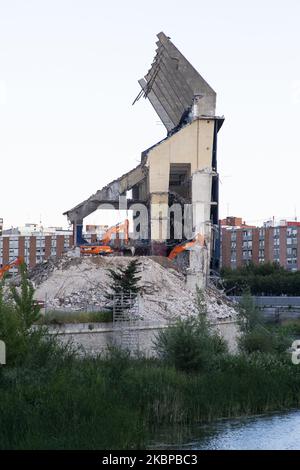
x,y
26,307
124,281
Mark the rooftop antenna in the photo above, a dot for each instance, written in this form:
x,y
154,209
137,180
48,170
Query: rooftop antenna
x,y
41,227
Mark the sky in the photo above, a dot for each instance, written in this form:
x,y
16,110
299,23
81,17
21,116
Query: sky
x,y
68,77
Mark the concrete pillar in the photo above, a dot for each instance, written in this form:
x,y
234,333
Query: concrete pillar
x,y
77,232
159,222
200,254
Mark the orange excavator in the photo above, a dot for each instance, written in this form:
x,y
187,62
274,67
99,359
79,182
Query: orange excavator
x,y
8,266
187,245
104,247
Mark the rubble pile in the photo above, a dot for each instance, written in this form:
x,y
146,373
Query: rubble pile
x,y
76,284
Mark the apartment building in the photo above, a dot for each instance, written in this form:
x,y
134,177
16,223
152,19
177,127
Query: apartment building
x,y
242,244
34,243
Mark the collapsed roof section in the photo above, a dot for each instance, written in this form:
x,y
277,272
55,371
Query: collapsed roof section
x,y
172,83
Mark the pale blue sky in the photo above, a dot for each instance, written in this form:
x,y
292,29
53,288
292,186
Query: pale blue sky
x,y
68,76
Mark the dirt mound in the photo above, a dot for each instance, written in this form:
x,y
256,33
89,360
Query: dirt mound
x,y
81,284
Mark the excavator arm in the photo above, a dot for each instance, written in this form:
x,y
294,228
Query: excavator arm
x,y
119,228
187,245
8,266
105,248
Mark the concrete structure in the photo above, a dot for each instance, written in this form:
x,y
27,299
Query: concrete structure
x,y
96,338
242,244
176,182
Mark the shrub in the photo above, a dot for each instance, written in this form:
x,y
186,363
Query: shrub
x,y
256,340
262,340
256,337
189,345
249,315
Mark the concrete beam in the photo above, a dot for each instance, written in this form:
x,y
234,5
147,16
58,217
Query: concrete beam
x,y
109,194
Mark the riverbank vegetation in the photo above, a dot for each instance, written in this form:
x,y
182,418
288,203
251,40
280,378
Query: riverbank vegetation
x,y
53,398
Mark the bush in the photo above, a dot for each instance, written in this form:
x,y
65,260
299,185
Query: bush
x,y
256,340
256,337
11,333
189,345
249,315
263,340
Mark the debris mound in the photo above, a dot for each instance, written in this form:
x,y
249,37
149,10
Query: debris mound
x,y
80,284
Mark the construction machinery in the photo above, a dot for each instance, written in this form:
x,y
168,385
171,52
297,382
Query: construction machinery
x,y
87,250
104,247
16,262
187,245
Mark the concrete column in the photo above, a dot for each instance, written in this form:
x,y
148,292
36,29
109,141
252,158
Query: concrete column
x,y
32,252
200,254
159,213
21,246
47,246
5,256
77,232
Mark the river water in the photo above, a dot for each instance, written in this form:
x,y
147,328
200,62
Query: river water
x,y
268,432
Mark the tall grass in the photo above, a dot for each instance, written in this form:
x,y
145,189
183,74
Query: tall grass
x,y
52,398
63,402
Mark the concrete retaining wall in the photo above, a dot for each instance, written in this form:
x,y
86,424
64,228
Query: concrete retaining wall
x,y
136,338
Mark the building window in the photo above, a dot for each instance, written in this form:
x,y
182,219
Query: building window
x,y
247,234
247,254
291,232
276,232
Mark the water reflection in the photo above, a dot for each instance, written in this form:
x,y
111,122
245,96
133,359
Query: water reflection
x,y
269,432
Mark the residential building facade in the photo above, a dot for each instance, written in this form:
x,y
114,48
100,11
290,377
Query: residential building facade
x,y
34,244
242,244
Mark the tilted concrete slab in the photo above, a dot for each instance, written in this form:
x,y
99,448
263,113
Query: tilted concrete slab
x,y
109,194
172,83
